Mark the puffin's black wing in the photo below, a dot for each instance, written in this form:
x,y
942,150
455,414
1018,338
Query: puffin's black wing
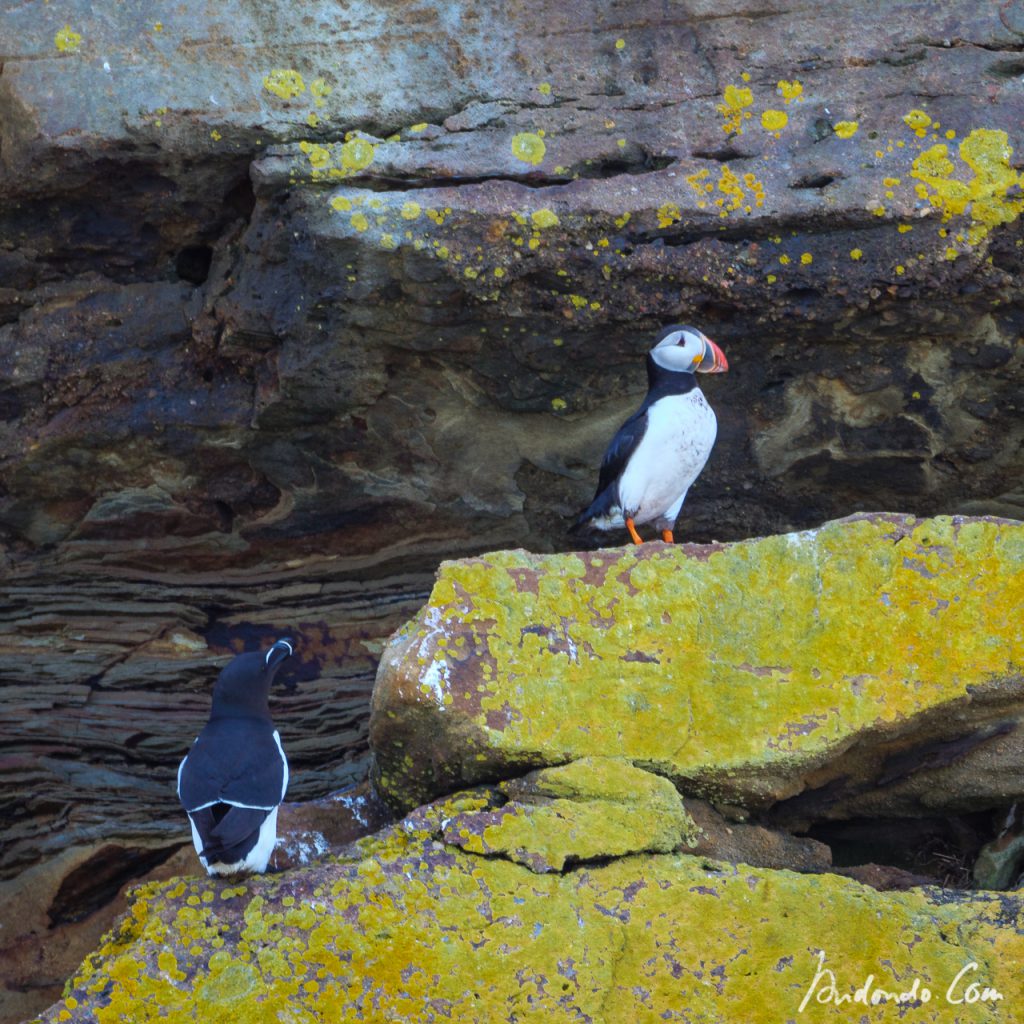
x,y
624,443
234,761
613,465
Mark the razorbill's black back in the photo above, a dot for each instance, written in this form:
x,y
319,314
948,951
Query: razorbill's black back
x,y
235,776
661,449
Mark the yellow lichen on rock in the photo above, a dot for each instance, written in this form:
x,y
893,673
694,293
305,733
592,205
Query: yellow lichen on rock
x,y
357,154
791,91
731,672
284,82
67,40
408,928
528,147
992,195
668,214
592,808
735,101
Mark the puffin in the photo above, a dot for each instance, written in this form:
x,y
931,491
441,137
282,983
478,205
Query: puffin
x,y
234,778
661,449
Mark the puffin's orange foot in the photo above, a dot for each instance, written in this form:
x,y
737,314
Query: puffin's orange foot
x,y
666,536
632,532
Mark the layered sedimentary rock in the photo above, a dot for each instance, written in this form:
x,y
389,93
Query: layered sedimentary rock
x,y
674,704
334,294
278,284
870,667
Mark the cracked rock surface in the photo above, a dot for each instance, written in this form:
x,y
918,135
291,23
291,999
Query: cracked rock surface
x,y
404,926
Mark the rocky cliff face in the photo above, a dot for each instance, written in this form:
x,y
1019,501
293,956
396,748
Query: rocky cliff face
x,y
407,927
295,304
367,281
677,705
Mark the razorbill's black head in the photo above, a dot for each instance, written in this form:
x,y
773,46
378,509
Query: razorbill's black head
x,y
661,449
243,686
235,776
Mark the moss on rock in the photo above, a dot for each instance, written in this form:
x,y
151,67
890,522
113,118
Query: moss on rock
x,y
736,670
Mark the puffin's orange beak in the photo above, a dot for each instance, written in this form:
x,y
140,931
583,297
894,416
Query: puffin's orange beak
x,y
717,363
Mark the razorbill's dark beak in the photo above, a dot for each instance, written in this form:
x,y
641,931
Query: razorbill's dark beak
x,y
714,360
278,652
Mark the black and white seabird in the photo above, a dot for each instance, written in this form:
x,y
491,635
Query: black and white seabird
x,y
235,776
661,449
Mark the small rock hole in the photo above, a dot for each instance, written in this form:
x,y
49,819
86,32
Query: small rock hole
x,y
814,181
193,263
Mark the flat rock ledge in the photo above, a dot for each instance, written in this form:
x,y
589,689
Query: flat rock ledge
x,y
407,925
868,667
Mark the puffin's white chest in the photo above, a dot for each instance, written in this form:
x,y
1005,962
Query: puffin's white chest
x,y
680,434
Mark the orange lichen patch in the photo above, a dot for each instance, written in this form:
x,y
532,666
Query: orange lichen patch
x,y
735,101
845,129
774,120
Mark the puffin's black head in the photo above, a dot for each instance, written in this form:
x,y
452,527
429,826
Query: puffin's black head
x,y
684,349
243,685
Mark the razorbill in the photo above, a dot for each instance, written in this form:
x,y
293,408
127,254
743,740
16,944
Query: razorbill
x,y
661,449
235,776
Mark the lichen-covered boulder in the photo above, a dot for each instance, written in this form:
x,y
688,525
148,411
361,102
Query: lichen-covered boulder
x,y
587,809
405,927
870,666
